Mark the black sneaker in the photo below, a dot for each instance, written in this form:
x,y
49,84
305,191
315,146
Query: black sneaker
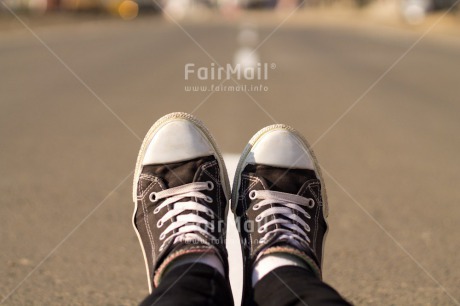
x,y
279,200
180,193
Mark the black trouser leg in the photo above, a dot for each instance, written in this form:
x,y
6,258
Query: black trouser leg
x,y
191,284
297,286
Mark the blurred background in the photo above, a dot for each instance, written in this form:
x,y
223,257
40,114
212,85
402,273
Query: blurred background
x,y
411,11
373,85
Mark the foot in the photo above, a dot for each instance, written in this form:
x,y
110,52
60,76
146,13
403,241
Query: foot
x,y
180,193
279,200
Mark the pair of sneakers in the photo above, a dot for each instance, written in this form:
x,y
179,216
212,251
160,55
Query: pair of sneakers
x,y
181,193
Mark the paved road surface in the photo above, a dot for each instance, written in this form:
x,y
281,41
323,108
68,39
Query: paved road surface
x,y
391,164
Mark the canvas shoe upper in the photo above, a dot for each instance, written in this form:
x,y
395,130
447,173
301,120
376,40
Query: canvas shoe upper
x,y
180,193
279,200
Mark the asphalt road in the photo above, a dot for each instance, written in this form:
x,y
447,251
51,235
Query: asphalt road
x,y
74,106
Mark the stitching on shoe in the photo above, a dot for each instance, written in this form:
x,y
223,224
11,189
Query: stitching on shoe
x,y
316,194
242,196
317,213
314,229
215,179
146,218
152,179
247,244
254,181
219,200
148,176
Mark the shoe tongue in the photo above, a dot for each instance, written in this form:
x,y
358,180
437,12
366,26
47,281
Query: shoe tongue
x,y
282,179
278,241
180,173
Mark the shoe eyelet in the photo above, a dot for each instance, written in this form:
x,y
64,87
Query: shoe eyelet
x,y
210,185
210,226
156,210
208,199
311,203
256,206
258,218
153,197
159,223
261,229
210,213
162,236
253,194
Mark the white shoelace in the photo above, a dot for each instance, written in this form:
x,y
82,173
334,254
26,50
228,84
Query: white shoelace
x,y
187,225
287,206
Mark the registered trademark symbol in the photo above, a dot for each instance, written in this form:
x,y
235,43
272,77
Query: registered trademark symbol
x,y
273,66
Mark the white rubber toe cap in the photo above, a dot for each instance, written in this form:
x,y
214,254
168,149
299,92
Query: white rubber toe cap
x,y
281,148
176,141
